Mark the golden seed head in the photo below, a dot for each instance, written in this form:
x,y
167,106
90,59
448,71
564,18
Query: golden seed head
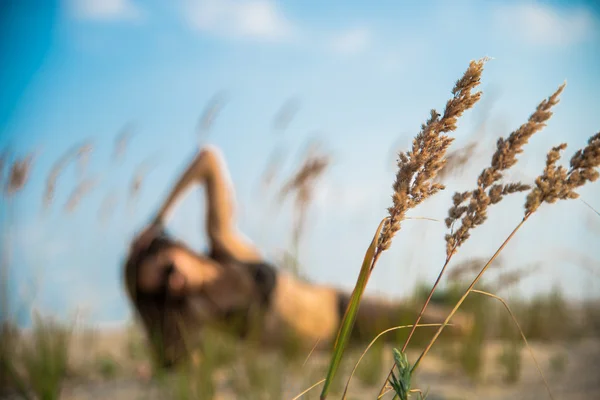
x,y
19,174
490,189
419,167
557,183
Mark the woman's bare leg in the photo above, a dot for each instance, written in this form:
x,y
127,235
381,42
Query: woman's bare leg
x,y
209,169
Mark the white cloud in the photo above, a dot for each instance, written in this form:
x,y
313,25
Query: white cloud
x,y
543,25
254,19
105,9
351,42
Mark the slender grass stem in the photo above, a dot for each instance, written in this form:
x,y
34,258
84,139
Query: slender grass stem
x,y
469,289
456,307
500,299
371,344
309,389
590,206
412,331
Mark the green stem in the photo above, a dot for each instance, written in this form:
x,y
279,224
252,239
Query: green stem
x,y
412,331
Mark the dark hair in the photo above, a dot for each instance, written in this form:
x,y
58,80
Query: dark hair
x,y
161,315
165,317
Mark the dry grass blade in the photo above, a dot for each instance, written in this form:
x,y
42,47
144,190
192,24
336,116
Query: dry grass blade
x,y
371,344
122,140
423,219
309,389
80,191
286,114
464,296
590,207
488,191
311,352
210,113
384,392
537,365
418,168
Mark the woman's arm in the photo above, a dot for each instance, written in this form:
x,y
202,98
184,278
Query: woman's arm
x,y
191,175
209,169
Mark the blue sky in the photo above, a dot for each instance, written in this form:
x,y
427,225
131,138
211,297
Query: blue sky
x,y
366,75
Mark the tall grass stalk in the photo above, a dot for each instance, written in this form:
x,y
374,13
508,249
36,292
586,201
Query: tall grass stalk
x,y
490,190
555,183
414,183
514,318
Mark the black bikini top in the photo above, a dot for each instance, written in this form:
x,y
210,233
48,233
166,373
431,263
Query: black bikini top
x,y
262,274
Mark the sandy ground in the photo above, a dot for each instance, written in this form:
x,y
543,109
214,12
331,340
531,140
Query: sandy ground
x,y
122,375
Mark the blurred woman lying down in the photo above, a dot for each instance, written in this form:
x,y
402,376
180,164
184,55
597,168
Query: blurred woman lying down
x,y
177,291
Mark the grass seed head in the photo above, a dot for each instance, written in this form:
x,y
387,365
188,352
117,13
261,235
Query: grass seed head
x,y
80,191
19,174
490,188
418,168
558,183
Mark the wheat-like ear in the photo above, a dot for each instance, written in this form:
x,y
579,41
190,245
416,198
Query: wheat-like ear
x,y
302,182
414,183
19,174
514,318
558,183
490,189
301,185
418,168
555,183
78,152
142,170
80,191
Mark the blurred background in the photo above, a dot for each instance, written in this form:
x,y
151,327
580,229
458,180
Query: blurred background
x,y
105,101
